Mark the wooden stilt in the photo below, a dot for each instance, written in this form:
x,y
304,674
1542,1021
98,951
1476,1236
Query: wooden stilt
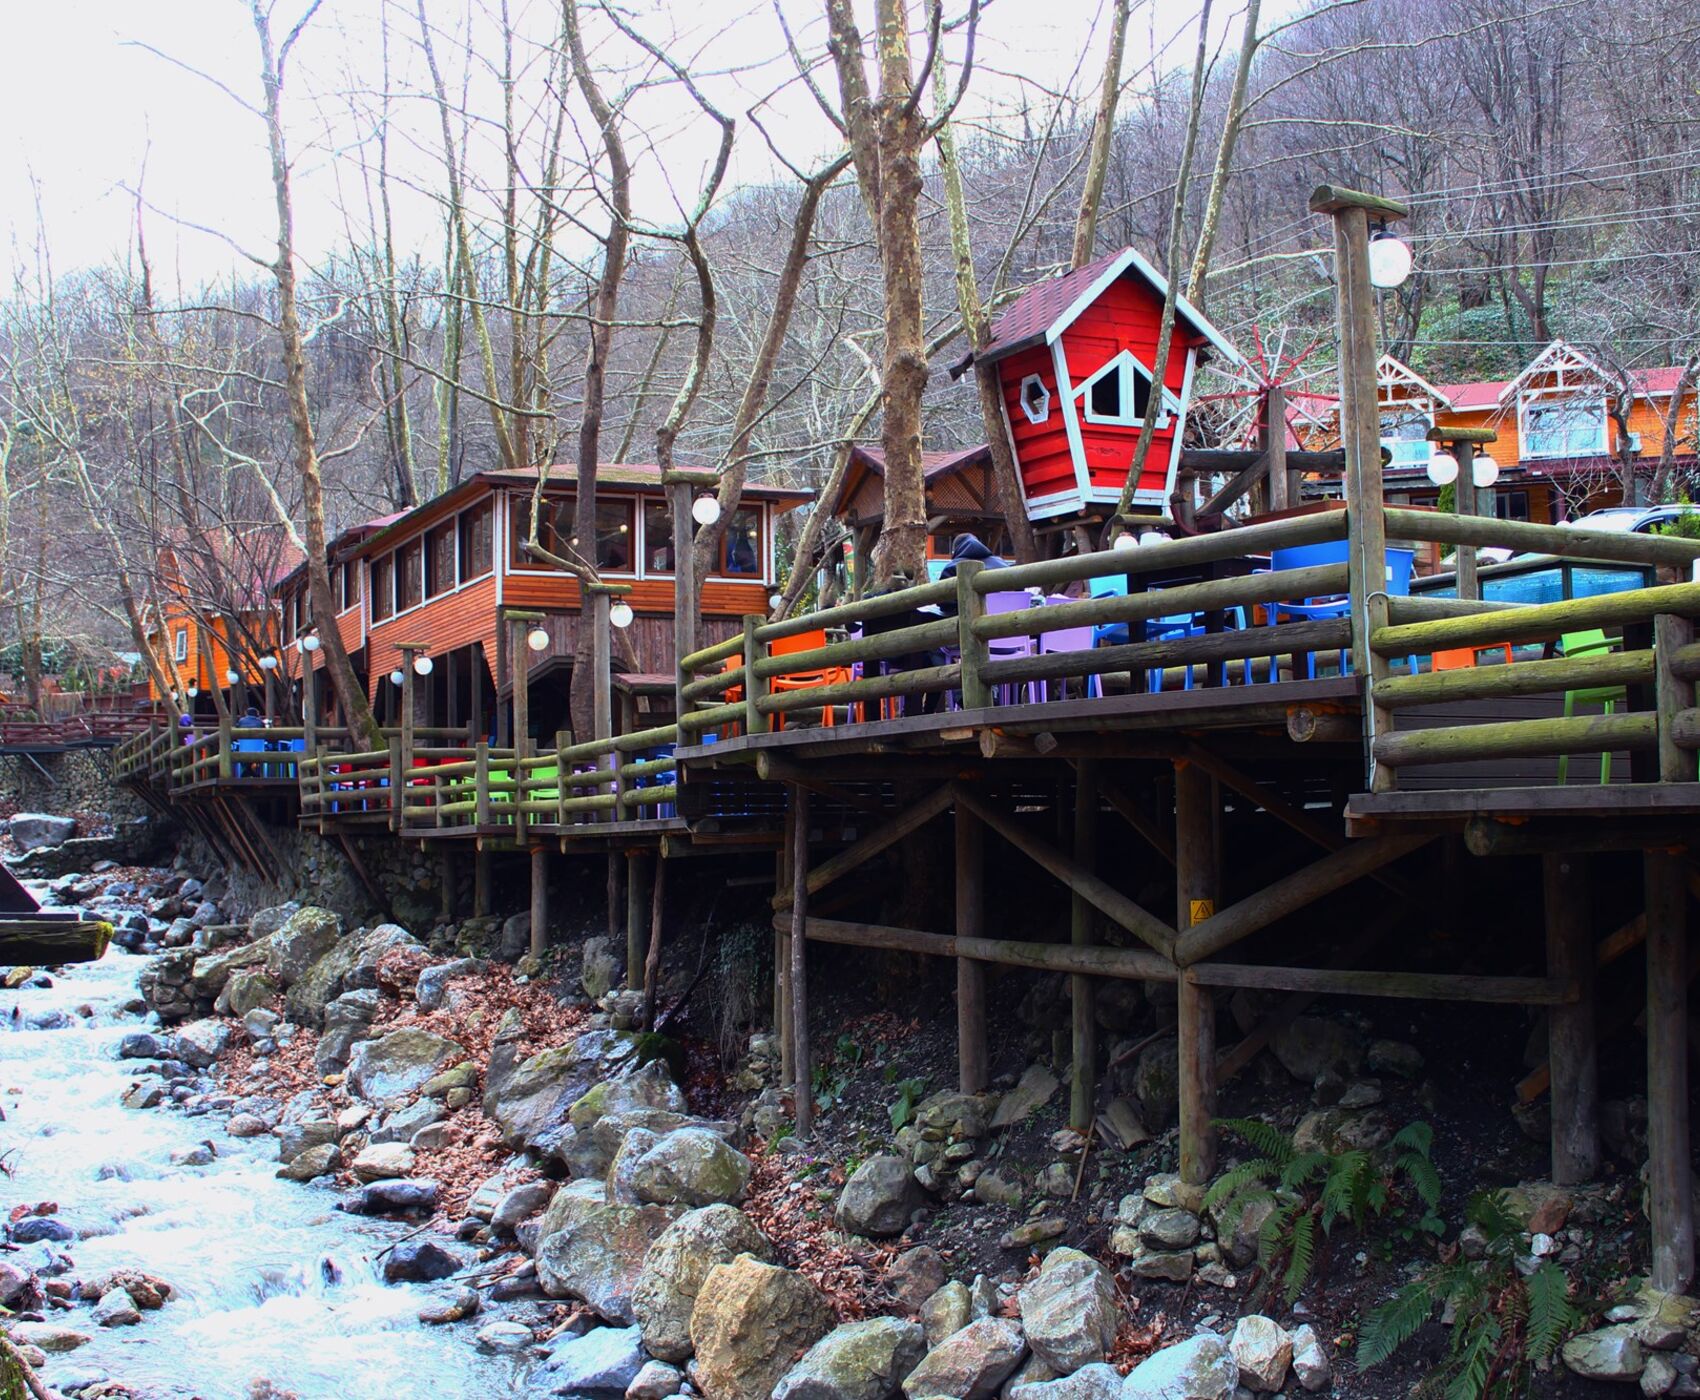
x,y
1670,1177
481,891
616,864
798,997
637,915
539,901
446,873
1196,882
782,952
1083,1075
1570,1027
972,1073
652,960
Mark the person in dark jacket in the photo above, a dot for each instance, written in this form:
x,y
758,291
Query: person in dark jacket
x,y
250,719
967,546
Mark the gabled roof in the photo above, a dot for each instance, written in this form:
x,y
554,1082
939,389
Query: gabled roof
x,y
933,466
1047,309
1559,355
1391,371
1476,395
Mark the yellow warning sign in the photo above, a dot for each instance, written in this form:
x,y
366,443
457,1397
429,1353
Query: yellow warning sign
x,y
1202,909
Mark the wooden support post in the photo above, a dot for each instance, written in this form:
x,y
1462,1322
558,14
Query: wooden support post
x,y
481,784
521,653
477,725
637,915
973,1071
652,960
1570,1026
539,901
602,670
1670,1210
1360,438
798,993
679,487
971,605
782,951
1083,1074
446,873
1673,696
1284,489
1465,503
1196,880
481,890
755,687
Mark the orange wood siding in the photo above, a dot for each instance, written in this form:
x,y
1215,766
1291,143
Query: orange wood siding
x,y
443,624
1041,449
206,664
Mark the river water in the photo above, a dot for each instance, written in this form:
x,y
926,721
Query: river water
x,y
269,1283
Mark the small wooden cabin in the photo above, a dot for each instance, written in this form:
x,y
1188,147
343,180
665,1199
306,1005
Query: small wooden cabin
x,y
439,578
1072,359
961,496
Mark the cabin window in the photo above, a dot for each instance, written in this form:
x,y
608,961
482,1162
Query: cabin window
x,y
1035,399
1511,505
1119,394
350,584
740,551
383,587
657,538
180,644
440,560
409,576
1405,436
1571,428
289,617
616,522
476,529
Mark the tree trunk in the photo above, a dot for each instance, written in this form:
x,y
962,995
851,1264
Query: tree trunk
x,y
1103,135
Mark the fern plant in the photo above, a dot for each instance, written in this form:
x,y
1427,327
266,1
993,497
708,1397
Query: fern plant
x,y
1312,1192
1503,1323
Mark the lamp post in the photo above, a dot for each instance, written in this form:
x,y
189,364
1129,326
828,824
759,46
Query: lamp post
x,y
680,503
1360,433
1469,473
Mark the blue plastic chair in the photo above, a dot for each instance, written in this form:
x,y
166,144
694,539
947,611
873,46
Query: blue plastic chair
x,y
1397,585
1110,634
244,769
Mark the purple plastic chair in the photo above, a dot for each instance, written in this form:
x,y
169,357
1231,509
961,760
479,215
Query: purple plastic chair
x,y
1004,648
1069,639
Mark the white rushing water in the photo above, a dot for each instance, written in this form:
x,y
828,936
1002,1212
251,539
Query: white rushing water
x,y
270,1284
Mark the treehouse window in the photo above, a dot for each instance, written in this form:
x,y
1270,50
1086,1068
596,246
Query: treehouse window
x,y
740,551
440,560
180,644
475,541
1035,399
409,576
1573,428
383,588
657,538
1405,436
1119,394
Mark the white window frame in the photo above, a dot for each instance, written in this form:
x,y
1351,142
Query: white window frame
x,y
180,645
1533,403
1035,413
1394,444
1124,365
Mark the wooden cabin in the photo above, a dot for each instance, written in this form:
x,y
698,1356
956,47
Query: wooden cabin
x,y
201,593
1072,359
961,496
439,578
1558,444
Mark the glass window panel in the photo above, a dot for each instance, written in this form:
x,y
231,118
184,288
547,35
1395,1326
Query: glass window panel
x,y
1405,436
657,538
409,575
440,560
383,585
475,541
1564,429
740,554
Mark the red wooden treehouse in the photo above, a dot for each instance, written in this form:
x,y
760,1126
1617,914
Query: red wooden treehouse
x,y
1073,359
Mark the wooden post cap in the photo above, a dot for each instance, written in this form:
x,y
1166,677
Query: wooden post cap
x,y
1331,199
1470,435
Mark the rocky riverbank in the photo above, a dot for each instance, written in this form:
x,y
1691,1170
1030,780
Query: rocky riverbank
x,y
545,1201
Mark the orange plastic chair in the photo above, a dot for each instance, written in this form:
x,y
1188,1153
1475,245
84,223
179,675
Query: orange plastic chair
x,y
805,680
1464,658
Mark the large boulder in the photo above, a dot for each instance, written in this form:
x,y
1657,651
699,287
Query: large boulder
x,y
351,963
1069,1311
33,830
690,1167
750,1321
1263,1350
864,1360
1610,1354
199,1043
530,1100
432,989
1311,1045
213,971
1098,1381
300,941
397,1065
593,1249
674,1270
248,988
1200,1368
347,1019
879,1197
600,1365
971,1364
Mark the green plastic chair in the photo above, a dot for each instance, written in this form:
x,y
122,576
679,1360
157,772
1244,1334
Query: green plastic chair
x,y
1592,641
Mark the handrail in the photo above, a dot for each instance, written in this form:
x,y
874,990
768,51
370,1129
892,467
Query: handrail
x,y
1537,621
1562,541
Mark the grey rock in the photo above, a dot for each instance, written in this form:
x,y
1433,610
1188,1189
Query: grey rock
x,y
1310,1361
655,1381
401,1125
750,1321
351,964
1200,1368
200,1043
691,1167
595,1250
300,941
879,1197
1659,1376
432,989
600,968
117,1309
672,1273
1098,1381
970,1364
1311,1045
420,1261
999,1186
1069,1311
1172,1266
504,1338
864,1360
1395,1057
1610,1354
384,1197
520,1204
515,940
1173,1228
532,1099
1263,1351
295,1138
1032,1092
311,1163
32,831
948,1310
915,1276
397,1065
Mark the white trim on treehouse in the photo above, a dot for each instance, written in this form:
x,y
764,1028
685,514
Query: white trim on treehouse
x,y
1125,365
1037,407
1184,309
1071,422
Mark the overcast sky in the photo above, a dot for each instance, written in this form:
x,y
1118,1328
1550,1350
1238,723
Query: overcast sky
x,y
87,103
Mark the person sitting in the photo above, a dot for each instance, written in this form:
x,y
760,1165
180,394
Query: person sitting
x,y
250,719
966,546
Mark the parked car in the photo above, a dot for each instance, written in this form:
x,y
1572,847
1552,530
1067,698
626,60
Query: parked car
x,y
1640,520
